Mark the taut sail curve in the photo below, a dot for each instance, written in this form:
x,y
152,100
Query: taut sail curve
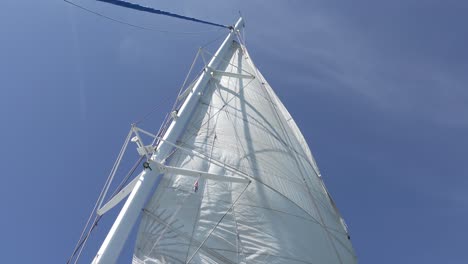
x,y
282,213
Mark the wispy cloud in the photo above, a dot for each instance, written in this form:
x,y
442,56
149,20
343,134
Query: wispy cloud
x,y
405,71
78,64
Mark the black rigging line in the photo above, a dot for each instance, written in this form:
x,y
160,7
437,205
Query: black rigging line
x,y
104,16
159,12
145,9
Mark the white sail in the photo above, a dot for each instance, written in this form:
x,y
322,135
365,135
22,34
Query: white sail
x,y
282,213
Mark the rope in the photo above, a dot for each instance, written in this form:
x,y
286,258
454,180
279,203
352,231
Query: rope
x,y
213,40
185,80
125,180
130,24
98,203
82,243
159,12
85,235
181,90
152,111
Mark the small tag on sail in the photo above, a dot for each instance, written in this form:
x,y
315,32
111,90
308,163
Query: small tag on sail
x,y
195,186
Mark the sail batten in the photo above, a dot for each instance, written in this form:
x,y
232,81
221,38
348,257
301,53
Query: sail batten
x,y
239,128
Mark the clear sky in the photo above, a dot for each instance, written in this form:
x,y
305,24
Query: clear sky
x,y
378,88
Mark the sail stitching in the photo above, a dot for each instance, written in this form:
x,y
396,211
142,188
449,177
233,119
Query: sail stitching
x,y
276,136
220,220
186,236
167,227
238,138
195,128
235,170
265,83
271,102
240,172
313,198
257,122
195,224
313,220
266,254
226,103
238,240
271,133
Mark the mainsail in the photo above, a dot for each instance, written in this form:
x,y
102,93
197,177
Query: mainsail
x,y
280,213
230,180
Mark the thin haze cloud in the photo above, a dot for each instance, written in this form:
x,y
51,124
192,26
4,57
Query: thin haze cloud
x,y
402,81
78,63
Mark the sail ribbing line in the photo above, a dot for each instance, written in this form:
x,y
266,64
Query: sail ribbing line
x,y
221,108
300,165
237,171
227,167
220,220
185,236
159,12
199,207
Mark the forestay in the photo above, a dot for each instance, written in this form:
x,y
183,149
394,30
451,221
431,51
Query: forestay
x,y
284,215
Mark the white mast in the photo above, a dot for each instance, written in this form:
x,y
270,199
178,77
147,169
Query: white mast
x,y
120,230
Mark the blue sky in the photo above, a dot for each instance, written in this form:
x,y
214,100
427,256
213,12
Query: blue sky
x,y
378,88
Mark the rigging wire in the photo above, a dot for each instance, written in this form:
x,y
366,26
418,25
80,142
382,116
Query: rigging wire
x,y
199,52
166,120
85,235
217,224
152,111
100,198
135,25
223,34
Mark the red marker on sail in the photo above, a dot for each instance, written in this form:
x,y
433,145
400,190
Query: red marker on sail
x,y
195,186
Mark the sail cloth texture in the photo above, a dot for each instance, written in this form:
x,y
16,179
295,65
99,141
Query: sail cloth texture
x,y
284,215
